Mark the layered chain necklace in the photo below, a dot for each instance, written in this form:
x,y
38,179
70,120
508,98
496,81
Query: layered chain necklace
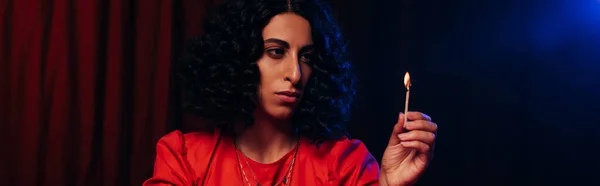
x,y
286,177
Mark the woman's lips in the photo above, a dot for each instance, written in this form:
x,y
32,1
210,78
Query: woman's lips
x,y
288,96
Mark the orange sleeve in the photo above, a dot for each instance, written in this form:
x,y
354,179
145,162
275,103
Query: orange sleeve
x,y
354,164
171,166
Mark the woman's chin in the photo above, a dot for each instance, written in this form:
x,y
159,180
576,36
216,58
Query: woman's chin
x,y
281,116
281,113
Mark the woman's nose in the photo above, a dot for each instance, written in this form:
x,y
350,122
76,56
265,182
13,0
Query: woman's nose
x,y
293,71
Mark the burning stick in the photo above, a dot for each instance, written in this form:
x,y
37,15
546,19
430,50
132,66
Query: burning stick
x,y
407,85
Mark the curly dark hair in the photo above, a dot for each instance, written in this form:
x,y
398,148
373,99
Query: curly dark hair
x,y
220,75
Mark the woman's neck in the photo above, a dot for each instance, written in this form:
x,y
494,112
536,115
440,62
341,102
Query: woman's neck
x,y
267,140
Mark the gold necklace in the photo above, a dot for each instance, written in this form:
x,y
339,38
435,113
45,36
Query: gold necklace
x,y
286,177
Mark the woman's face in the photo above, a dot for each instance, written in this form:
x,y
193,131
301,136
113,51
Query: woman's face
x,y
283,66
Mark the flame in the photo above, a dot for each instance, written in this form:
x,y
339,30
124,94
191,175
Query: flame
x,y
407,81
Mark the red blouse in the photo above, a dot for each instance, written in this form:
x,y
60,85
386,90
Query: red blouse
x,y
209,158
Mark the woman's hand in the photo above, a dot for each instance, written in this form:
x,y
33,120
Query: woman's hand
x,y
408,152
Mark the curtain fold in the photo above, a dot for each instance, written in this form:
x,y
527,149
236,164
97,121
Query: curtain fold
x,y
85,89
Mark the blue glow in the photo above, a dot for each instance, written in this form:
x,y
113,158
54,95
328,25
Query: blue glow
x,y
565,36
557,24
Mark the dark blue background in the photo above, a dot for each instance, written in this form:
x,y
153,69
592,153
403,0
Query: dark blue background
x,y
514,85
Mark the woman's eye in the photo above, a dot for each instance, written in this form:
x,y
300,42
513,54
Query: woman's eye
x,y
276,53
306,58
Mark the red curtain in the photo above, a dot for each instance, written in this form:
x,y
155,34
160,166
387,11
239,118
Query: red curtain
x,y
85,87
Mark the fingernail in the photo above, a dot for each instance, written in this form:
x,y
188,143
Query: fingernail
x,y
402,136
427,117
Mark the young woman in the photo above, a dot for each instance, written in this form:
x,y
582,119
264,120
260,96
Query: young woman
x,y
272,79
